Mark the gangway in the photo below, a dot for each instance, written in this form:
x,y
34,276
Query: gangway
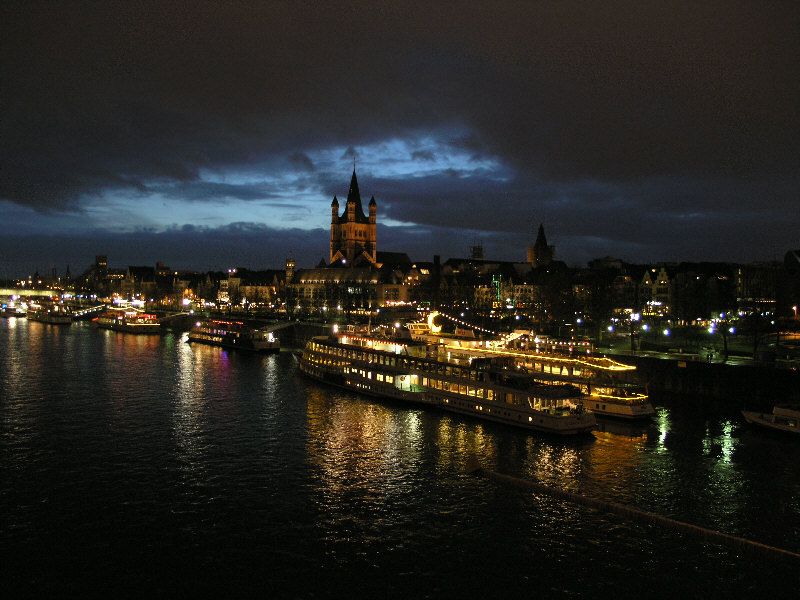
x,y
79,313
277,326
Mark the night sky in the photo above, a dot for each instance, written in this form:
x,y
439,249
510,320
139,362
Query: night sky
x,y
211,136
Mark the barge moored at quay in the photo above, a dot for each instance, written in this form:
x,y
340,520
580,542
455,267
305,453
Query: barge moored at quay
x,y
395,366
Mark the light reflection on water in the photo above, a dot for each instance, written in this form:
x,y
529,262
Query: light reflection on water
x,y
147,456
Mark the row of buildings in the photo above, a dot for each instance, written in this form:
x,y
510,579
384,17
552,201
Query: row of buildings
x,y
606,288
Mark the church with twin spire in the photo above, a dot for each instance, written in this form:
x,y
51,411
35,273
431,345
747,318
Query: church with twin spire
x,y
353,233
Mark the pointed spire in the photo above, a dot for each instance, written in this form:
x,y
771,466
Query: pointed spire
x,y
541,240
354,197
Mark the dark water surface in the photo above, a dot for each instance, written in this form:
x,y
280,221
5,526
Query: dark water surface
x,y
143,466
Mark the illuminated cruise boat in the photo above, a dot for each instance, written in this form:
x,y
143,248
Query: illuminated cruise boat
x,y
401,368
53,314
128,321
233,334
609,386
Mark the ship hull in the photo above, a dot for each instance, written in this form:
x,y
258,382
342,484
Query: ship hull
x,y
131,328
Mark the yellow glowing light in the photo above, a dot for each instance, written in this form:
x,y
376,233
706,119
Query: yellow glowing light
x,y
434,328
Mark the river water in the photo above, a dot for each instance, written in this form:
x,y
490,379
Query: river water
x,y
144,466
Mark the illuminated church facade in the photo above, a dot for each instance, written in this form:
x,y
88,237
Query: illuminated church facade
x,y
353,233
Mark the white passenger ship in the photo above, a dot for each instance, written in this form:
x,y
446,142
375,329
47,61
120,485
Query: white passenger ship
x,y
399,367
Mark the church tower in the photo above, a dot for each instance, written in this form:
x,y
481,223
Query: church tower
x,y
353,234
289,269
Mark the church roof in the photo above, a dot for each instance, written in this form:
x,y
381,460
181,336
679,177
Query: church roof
x,y
142,273
354,197
395,260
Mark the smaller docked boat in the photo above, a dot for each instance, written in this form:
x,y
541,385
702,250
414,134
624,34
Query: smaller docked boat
x,y
233,334
618,400
14,309
53,314
610,387
784,417
128,321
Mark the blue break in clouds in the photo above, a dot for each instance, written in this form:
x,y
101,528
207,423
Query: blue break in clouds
x,y
276,194
399,158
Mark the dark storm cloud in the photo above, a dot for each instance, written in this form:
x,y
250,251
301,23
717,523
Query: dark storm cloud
x,y
654,107
642,220
350,152
301,161
250,245
423,155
